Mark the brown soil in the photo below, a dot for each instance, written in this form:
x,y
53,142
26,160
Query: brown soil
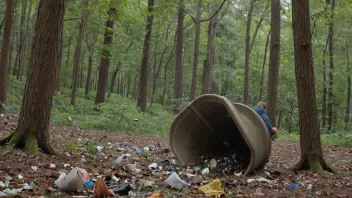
x,y
67,139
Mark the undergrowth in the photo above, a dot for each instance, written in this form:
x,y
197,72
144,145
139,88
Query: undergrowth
x,y
118,113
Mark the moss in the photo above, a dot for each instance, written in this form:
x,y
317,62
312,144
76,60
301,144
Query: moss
x,y
15,139
7,139
314,163
31,146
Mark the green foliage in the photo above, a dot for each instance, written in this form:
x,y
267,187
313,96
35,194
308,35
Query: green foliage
x,y
90,147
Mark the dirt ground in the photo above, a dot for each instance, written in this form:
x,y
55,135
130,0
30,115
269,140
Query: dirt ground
x,y
41,171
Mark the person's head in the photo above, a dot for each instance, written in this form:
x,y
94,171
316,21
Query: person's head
x,y
262,104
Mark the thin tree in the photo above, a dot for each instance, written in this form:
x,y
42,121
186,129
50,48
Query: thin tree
x,y
90,46
331,61
81,26
31,132
6,49
348,98
105,58
246,63
196,52
311,149
179,52
274,61
143,80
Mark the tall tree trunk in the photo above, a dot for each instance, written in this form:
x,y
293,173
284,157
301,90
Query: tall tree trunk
x,y
105,58
208,62
179,48
143,82
323,109
274,62
5,50
76,62
246,63
331,70
128,83
263,67
311,149
31,132
196,53
113,78
22,42
348,98
90,46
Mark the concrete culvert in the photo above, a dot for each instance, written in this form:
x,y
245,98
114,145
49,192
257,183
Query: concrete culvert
x,y
211,124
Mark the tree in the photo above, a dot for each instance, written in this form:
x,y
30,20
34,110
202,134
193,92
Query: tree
x,y
348,98
274,61
5,50
179,49
196,52
143,80
81,26
31,132
311,149
246,64
105,58
331,70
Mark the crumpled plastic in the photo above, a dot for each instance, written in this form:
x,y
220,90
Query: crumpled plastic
x,y
212,189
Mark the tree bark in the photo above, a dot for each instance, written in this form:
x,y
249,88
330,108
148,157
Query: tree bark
x,y
311,149
76,62
21,43
348,98
246,63
179,52
105,58
263,67
90,46
196,53
331,70
6,50
143,82
31,132
274,61
323,109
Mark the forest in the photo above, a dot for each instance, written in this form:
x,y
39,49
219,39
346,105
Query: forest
x,y
225,50
78,69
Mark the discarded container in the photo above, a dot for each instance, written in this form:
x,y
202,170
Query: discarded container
x,y
293,186
212,124
212,189
175,181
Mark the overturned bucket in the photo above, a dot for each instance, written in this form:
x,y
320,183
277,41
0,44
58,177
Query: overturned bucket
x,y
212,124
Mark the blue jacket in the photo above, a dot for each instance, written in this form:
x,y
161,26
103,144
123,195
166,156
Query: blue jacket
x,y
260,111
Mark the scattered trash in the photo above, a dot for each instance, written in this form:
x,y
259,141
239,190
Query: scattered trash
x,y
20,176
100,149
146,149
156,195
310,186
137,151
260,179
12,191
2,194
73,181
119,159
212,189
89,184
2,184
238,174
34,168
101,189
52,166
212,163
122,189
27,186
175,181
130,167
293,186
67,165
152,166
205,171
143,184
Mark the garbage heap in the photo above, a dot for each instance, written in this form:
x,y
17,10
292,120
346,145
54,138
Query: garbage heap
x,y
211,127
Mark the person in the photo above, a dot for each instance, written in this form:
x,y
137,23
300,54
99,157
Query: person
x,y
260,110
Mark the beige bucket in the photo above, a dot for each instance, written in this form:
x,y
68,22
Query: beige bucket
x,y
212,124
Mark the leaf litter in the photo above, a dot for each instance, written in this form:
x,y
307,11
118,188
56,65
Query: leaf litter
x,y
134,165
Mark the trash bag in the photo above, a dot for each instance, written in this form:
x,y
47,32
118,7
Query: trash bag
x,y
212,125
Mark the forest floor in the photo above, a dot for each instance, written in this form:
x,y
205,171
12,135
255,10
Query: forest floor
x,y
41,171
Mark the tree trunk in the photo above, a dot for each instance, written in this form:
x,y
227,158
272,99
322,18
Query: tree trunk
x,y
90,46
113,78
246,63
263,67
143,82
196,53
6,50
331,70
311,149
33,123
274,61
348,100
21,43
76,62
323,109
179,48
105,58
128,83
208,62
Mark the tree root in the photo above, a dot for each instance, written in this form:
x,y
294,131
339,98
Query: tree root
x,y
6,139
314,163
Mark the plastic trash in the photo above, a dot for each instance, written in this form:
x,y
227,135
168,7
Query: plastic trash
x,y
89,184
212,163
73,181
122,189
293,186
138,151
205,171
130,167
212,189
100,149
145,184
119,159
175,181
152,166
